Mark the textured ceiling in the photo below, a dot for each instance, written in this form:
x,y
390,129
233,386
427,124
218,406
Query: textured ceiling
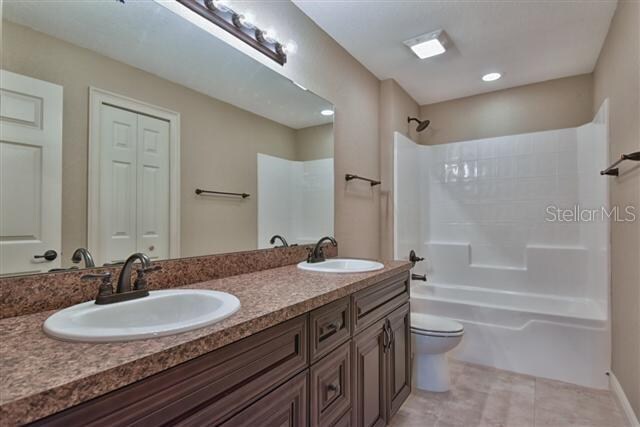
x,y
150,37
527,41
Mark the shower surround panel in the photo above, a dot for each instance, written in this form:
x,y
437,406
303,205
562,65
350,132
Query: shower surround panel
x,y
494,218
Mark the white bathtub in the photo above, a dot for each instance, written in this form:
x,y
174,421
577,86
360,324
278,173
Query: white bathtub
x,y
548,336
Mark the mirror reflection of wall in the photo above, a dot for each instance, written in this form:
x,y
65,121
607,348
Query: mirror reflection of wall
x,y
296,196
120,176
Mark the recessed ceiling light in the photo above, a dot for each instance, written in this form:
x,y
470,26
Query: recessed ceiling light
x,y
327,112
428,45
491,77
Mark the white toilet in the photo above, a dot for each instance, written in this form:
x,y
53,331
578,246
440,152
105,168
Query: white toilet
x,y
433,336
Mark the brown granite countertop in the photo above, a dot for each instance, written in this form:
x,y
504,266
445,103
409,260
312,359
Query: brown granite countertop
x,y
41,376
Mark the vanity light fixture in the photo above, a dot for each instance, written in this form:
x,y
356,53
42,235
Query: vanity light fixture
x,y
243,26
428,45
327,112
491,77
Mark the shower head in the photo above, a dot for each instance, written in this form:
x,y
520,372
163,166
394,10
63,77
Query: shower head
x,y
422,124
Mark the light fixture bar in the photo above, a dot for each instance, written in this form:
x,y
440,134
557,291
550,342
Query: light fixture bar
x,y
222,15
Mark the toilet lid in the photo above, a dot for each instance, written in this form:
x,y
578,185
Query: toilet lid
x,y
437,324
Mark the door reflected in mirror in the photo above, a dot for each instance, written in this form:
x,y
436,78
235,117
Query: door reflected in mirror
x,y
113,115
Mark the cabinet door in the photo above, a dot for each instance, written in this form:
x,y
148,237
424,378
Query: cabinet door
x,y
399,358
369,367
331,387
286,406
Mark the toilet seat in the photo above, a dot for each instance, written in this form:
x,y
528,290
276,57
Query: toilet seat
x,y
435,326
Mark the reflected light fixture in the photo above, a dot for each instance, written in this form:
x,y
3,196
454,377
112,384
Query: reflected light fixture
x,y
327,112
243,26
491,77
428,45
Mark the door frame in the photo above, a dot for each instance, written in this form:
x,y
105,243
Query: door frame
x,y
98,97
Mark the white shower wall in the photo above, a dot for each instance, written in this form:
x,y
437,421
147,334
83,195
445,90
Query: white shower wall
x,y
295,199
481,210
481,213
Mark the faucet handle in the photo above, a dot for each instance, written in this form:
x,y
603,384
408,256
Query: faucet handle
x,y
150,269
105,288
141,280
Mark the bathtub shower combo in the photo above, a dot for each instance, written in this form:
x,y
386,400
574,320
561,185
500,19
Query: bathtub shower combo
x,y
505,255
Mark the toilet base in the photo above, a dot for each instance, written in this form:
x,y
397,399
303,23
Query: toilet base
x,y
432,372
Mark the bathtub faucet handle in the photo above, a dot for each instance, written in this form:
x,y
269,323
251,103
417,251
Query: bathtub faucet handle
x,y
422,277
414,258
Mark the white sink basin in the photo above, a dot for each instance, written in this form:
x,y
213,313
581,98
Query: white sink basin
x,y
341,265
161,313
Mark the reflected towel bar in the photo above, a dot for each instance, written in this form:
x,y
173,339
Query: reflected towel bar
x,y
349,177
613,170
221,193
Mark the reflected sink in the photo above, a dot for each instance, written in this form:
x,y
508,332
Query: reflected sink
x,y
342,265
162,313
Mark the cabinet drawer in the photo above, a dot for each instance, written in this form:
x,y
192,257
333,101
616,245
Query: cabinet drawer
x,y
372,304
331,386
222,382
330,326
285,406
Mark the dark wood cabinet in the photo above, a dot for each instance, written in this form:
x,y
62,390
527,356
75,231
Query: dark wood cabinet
x,y
369,368
381,352
286,406
343,364
399,358
206,390
331,383
329,326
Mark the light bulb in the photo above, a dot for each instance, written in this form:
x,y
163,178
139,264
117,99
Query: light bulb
x,y
221,5
247,20
270,35
290,47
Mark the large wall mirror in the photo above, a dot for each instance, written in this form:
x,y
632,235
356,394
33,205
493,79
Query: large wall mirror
x,y
113,115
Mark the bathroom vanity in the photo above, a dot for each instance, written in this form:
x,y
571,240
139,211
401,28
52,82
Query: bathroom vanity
x,y
305,348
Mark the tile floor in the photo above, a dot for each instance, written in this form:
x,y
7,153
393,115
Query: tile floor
x,y
483,396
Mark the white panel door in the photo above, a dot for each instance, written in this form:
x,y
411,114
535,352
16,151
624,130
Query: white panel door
x,y
30,173
118,175
134,185
153,187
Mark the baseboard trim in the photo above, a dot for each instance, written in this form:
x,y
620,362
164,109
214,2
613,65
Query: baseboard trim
x,y
621,397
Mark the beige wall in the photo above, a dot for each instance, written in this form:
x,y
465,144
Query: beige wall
x,y
554,104
324,67
315,142
395,105
218,143
617,77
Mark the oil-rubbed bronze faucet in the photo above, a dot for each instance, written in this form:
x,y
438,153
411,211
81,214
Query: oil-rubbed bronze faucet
x,y
317,254
124,290
83,254
282,239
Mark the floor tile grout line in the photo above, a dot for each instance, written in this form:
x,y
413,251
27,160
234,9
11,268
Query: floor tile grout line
x,y
535,400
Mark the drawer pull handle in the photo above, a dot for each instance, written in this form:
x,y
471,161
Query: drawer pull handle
x,y
386,339
333,326
333,387
331,329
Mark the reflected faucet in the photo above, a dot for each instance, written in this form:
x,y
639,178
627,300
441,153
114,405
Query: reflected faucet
x,y
282,239
317,255
83,254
